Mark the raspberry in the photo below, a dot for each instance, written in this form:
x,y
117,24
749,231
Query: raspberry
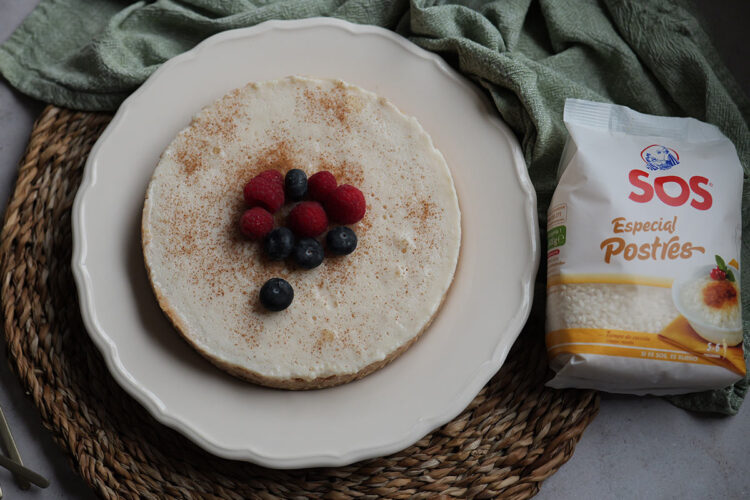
x,y
308,219
717,274
346,205
256,223
320,185
261,191
272,175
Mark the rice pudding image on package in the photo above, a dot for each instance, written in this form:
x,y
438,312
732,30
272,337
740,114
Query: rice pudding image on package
x,y
301,233
710,302
643,255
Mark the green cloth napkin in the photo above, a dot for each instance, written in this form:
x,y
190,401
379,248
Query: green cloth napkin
x,y
650,55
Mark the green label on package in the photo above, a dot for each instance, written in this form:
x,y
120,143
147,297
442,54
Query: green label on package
x,y
555,237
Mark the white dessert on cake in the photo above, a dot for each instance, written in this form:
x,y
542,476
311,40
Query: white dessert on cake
x,y
352,314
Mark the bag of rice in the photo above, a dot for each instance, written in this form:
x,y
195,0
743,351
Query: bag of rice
x,y
644,234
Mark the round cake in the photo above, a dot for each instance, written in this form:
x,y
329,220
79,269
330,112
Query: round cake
x,y
352,314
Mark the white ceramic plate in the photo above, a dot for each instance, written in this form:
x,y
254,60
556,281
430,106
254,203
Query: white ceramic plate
x,y
435,380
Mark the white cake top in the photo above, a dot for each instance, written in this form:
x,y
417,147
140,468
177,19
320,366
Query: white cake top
x,y
350,311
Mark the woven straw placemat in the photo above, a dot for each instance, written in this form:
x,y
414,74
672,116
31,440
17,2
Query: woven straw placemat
x,y
515,433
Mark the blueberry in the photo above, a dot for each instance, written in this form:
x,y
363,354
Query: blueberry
x,y
308,253
276,294
279,243
341,240
295,184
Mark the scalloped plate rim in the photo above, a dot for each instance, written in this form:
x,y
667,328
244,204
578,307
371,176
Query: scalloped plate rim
x,y
156,407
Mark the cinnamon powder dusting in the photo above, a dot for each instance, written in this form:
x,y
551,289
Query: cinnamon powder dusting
x,y
190,159
207,128
423,210
276,157
333,106
345,172
222,121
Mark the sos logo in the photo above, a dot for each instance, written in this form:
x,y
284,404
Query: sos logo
x,y
670,189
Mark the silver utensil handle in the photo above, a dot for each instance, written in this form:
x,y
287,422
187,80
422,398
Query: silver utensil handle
x,y
27,473
10,446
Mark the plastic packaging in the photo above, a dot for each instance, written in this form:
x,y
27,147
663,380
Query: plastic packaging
x,y
643,257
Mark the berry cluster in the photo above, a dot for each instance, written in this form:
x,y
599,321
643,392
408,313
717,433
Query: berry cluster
x,y
722,272
717,274
326,202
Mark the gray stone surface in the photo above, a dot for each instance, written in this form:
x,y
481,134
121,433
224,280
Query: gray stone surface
x,y
635,448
